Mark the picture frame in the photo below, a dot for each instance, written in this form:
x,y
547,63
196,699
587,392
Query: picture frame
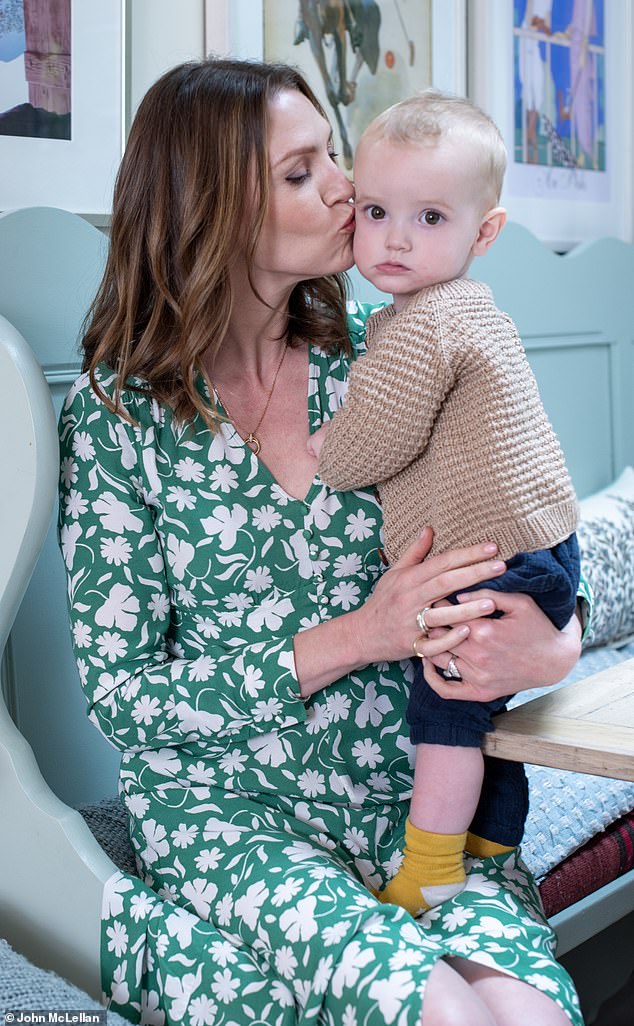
x,y
562,205
77,174
402,62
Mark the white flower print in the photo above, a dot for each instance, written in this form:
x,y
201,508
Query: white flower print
x,y
159,606
140,906
68,471
206,626
286,891
82,446
269,710
347,566
353,959
112,645
200,893
391,995
69,536
202,1011
225,986
317,719
119,609
183,498
270,613
82,634
115,515
258,579
334,934
224,478
202,668
118,941
298,923
248,906
373,708
457,917
225,523
356,842
184,836
188,469
76,505
181,990
266,518
224,908
120,990
312,783
359,526
223,953
346,594
115,887
179,555
338,706
367,753
155,838
285,962
543,982
209,858
116,551
202,773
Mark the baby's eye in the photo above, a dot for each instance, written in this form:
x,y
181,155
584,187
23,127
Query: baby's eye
x,y
431,217
376,213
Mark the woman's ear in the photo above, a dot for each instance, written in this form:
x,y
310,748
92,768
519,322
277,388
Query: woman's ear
x,y
490,227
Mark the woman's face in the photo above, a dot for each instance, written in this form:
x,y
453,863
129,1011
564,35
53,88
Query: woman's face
x,y
309,222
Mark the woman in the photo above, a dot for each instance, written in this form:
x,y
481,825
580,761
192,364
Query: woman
x,y
230,637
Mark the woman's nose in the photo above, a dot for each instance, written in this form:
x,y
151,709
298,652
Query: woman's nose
x,y
340,188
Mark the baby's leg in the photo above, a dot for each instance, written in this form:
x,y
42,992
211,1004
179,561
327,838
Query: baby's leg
x,y
447,785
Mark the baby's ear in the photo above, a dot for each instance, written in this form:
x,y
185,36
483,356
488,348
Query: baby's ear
x,y
490,227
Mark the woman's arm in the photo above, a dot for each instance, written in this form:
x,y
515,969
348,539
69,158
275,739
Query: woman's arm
x,y
385,627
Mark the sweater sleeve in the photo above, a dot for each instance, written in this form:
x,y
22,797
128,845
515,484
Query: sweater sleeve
x,y
141,692
394,395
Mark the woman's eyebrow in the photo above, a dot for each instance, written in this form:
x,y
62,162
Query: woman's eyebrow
x,y
299,151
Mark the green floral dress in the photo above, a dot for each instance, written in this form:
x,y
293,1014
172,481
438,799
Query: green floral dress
x,y
259,820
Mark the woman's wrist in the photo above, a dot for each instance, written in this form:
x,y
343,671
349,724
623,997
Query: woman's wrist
x,y
327,652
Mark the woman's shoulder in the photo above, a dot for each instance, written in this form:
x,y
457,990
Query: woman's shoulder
x,y
134,401
358,316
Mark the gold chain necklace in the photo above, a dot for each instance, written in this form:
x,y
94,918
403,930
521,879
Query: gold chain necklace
x,y
252,440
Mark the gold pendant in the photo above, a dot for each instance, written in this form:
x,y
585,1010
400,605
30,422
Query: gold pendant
x,y
253,443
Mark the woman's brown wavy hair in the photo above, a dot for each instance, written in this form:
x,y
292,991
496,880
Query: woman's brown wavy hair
x,y
199,137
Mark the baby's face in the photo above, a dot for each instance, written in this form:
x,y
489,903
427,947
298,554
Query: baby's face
x,y
418,215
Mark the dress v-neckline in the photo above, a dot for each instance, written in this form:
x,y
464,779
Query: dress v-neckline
x,y
316,482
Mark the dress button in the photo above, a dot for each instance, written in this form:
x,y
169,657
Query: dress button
x,y
324,600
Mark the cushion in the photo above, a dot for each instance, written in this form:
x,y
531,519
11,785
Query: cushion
x,y
24,985
606,540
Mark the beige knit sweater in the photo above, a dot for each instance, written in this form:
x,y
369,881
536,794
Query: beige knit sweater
x,y
443,412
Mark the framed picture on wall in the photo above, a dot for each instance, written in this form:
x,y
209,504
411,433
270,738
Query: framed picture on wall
x,y
359,56
61,103
554,74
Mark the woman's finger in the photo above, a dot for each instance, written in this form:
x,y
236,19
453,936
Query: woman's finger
x,y
417,550
428,648
449,615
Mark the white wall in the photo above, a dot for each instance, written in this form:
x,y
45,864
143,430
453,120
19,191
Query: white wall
x,y
160,33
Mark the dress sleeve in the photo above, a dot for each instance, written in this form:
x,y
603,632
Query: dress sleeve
x,y
141,692
395,392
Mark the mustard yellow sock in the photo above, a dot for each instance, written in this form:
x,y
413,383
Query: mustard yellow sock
x,y
482,848
432,870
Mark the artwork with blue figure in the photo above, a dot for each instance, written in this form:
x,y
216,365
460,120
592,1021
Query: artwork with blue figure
x,y
559,55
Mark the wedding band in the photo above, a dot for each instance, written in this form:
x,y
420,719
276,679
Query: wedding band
x,y
420,620
452,672
414,649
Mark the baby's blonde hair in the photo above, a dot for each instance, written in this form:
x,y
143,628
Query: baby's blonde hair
x,y
433,116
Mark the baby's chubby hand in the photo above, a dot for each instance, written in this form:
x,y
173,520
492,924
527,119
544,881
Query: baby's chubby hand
x,y
317,439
